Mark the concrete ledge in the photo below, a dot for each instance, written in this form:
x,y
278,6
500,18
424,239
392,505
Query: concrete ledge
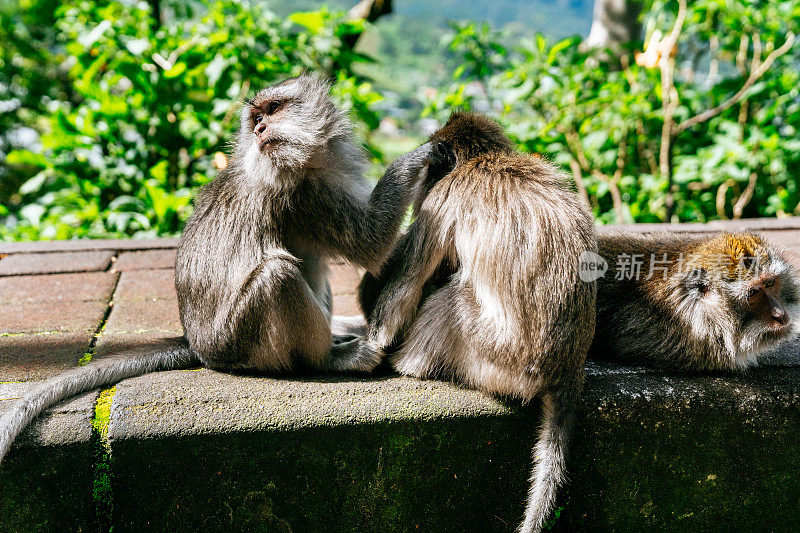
x,y
47,480
314,454
674,453
203,450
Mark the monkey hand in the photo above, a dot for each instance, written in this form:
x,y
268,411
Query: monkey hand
x,y
410,165
442,160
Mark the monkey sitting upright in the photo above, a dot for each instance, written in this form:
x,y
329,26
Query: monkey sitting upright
x,y
689,303
484,288
251,266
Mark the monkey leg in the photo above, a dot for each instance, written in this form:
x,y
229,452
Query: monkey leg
x,y
433,339
443,343
284,318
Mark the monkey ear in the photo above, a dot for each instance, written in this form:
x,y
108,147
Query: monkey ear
x,y
696,282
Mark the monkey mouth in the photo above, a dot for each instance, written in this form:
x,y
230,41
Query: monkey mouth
x,y
269,142
776,330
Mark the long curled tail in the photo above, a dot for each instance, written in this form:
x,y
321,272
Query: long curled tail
x,y
549,457
92,376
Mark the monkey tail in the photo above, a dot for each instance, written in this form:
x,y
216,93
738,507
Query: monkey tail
x,y
85,378
549,457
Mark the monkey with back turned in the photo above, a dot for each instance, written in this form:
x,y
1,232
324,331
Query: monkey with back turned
x,y
484,288
693,303
251,266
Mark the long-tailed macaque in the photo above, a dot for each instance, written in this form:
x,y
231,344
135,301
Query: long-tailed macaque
x,y
693,303
251,267
484,289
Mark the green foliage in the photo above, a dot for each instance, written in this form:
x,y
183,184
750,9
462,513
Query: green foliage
x,y
109,120
135,116
603,119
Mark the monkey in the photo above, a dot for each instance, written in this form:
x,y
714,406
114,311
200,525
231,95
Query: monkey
x,y
441,161
250,269
704,304
484,288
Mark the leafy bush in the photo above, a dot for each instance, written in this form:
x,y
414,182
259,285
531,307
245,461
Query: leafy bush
x,y
604,119
141,114
109,120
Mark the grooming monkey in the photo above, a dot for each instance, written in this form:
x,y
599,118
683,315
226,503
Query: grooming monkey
x,y
484,288
250,272
699,303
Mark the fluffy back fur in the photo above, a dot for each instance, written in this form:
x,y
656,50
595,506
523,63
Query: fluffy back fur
x,y
485,287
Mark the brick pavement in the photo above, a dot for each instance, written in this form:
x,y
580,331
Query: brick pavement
x,y
59,299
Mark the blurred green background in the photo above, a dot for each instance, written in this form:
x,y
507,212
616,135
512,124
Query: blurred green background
x,y
112,113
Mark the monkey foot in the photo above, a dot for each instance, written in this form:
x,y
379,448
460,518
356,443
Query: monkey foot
x,y
353,356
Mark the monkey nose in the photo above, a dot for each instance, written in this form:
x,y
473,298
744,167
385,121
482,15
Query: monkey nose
x,y
780,316
260,128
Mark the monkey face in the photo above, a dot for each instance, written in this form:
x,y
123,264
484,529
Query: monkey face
x,y
768,304
752,299
764,299
264,118
288,124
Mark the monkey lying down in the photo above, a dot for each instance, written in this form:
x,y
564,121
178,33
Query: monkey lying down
x,y
250,272
694,303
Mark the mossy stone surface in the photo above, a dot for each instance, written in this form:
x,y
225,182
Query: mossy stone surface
x,y
197,450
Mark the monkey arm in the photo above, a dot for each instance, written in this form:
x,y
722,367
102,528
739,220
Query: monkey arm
x,y
442,161
371,285
363,231
422,252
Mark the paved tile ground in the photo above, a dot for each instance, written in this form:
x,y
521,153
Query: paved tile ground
x,y
49,263
145,260
55,296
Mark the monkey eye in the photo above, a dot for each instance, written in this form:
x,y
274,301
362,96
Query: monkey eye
x,y
769,282
256,119
273,106
752,292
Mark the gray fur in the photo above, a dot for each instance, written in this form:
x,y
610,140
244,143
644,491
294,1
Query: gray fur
x,y
484,289
698,322
251,266
92,376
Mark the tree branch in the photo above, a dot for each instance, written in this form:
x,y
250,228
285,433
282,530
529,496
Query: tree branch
x,y
580,163
746,196
733,100
670,98
720,198
577,175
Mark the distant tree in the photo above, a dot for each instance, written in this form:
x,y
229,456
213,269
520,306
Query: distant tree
x,y
614,24
368,10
